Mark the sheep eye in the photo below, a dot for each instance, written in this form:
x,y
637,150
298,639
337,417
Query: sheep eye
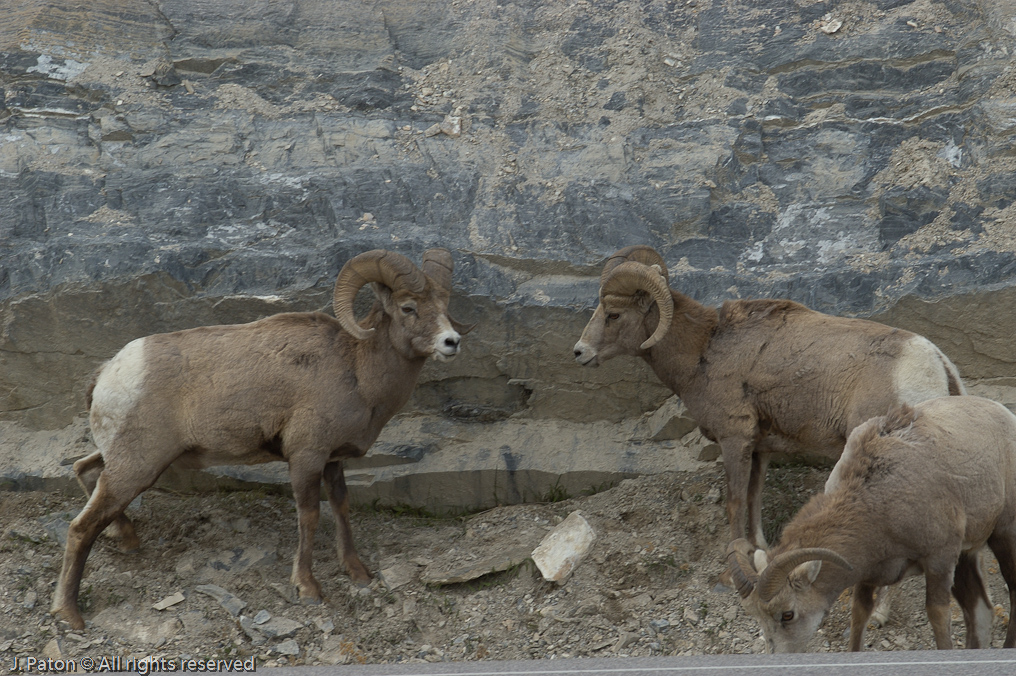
x,y
787,616
614,315
408,309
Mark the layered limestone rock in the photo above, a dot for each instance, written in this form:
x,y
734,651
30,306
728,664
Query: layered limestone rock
x,y
171,164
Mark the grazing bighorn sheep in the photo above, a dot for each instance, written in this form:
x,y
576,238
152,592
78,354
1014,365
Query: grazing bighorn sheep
x,y
759,376
920,489
300,387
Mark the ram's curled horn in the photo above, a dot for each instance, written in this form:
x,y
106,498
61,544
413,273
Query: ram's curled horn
x,y
437,264
384,267
775,575
739,565
640,253
629,278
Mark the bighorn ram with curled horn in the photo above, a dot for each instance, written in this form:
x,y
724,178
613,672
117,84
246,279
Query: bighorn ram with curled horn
x,y
922,489
300,387
759,376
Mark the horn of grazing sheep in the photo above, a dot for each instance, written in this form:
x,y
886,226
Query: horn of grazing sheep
x,y
774,576
630,277
437,264
384,267
738,564
640,253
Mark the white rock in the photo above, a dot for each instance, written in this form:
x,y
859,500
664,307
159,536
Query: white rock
x,y
563,549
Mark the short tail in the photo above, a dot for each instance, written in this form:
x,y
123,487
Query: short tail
x,y
91,389
956,386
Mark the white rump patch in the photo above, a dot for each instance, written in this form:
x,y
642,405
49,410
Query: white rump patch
x,y
920,372
117,391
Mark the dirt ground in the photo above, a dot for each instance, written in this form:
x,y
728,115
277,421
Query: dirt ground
x,y
648,586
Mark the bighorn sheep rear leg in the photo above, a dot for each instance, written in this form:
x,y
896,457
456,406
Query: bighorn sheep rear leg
x,y
111,494
968,588
338,497
87,470
1003,546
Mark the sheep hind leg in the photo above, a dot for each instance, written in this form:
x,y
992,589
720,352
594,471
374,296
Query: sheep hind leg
x,y
1003,545
307,494
108,499
883,605
338,497
87,471
968,588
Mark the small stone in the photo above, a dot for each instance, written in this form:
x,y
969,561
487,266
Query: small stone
x,y
31,598
169,601
262,617
279,627
659,626
690,616
398,575
53,650
324,624
288,647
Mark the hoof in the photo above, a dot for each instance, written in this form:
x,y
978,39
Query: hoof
x,y
309,601
71,617
878,620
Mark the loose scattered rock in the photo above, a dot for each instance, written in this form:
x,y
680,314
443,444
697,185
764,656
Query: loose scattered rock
x,y
564,548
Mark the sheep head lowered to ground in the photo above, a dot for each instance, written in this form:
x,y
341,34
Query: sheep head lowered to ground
x,y
305,388
759,376
922,489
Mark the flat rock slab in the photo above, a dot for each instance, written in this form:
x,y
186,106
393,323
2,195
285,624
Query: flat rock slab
x,y
441,573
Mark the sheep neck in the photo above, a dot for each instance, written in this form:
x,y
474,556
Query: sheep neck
x,y
839,521
677,358
376,355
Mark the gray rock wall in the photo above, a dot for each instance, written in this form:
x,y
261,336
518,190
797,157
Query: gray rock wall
x,y
170,164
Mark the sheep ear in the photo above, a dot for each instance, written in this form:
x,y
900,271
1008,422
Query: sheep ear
x,y
806,571
384,294
761,560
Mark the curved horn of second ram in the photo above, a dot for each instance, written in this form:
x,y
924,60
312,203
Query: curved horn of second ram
x,y
303,387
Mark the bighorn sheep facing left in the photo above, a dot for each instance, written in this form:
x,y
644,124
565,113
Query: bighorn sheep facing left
x,y
300,387
759,376
920,489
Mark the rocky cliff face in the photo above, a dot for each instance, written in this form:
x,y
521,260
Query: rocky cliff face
x,y
165,164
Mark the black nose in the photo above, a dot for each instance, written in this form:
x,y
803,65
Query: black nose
x,y
578,353
451,342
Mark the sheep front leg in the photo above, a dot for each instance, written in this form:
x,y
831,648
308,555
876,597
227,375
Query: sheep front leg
x,y
937,584
737,462
338,497
759,465
860,611
307,493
